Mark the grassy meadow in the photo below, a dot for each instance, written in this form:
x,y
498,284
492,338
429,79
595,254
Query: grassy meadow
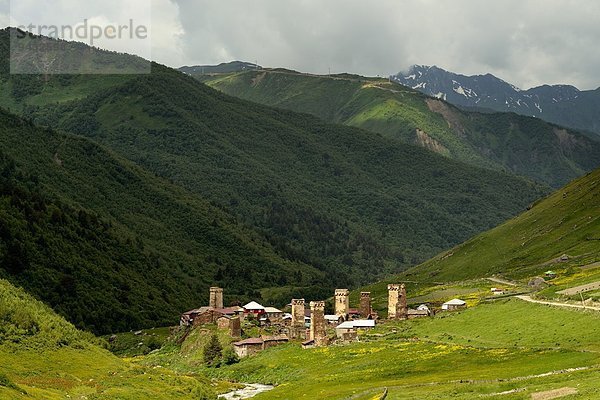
x,y
44,357
572,277
506,349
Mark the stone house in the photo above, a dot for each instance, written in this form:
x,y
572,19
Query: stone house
x,y
223,322
248,347
199,316
274,314
271,341
231,324
187,318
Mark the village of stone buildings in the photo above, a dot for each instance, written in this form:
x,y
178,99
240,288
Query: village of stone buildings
x,y
310,326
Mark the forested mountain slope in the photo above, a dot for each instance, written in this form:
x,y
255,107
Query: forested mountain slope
x,y
335,197
565,223
560,232
504,141
112,247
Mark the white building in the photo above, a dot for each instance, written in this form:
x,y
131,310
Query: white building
x,y
353,326
454,304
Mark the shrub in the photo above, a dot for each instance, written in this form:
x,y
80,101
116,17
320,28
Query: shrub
x,y
154,343
230,357
5,382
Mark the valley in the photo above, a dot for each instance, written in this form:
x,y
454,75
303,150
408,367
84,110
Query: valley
x,y
500,346
215,190
175,226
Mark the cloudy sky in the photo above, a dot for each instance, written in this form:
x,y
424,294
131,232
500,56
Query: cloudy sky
x,y
526,42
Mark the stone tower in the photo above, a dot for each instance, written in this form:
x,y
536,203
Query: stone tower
x,y
393,294
402,308
298,312
365,304
235,327
216,297
397,308
342,302
297,328
318,328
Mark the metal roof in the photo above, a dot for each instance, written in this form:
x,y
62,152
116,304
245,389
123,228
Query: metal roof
x,y
253,306
360,323
364,323
346,325
455,302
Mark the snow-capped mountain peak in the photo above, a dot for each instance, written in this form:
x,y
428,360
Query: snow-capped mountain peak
x,y
483,91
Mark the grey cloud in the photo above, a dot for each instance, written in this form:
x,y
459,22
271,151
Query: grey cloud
x,y
525,42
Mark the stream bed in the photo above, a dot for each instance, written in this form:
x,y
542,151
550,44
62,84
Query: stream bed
x,y
249,391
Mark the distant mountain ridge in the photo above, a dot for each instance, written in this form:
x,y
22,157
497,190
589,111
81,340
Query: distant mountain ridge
x,y
223,68
561,104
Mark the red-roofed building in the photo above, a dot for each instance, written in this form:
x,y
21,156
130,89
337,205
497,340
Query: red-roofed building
x,y
254,308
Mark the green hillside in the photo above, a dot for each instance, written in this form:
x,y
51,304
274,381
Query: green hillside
x,y
112,247
566,223
525,146
523,325
44,357
557,233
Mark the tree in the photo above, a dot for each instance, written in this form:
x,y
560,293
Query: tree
x,y
213,351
